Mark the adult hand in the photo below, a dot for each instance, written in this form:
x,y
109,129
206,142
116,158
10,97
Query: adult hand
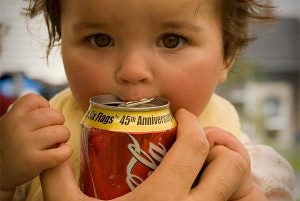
x,y
172,180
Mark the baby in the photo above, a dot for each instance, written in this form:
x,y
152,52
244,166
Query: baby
x,y
180,50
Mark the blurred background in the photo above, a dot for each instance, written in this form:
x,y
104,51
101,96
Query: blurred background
x,y
264,84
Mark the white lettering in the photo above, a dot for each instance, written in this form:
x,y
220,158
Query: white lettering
x,y
150,160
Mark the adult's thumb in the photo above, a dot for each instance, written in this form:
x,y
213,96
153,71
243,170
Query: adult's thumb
x,y
58,184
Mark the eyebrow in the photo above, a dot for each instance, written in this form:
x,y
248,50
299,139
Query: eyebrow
x,y
81,26
89,25
179,24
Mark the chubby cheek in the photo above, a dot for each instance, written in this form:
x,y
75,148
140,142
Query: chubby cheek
x,y
194,88
83,79
80,89
193,100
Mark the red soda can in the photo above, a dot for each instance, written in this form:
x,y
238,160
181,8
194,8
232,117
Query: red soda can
x,y
122,143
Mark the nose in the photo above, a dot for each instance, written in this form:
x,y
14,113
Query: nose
x,y
134,68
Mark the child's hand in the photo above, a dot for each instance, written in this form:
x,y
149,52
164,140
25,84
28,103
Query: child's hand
x,y
224,148
32,139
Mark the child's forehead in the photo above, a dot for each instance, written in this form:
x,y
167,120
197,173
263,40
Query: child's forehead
x,y
165,5
160,8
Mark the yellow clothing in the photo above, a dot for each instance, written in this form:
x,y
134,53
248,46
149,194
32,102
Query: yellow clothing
x,y
219,113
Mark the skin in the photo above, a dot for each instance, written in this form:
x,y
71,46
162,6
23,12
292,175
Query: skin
x,y
27,140
138,49
137,64
173,179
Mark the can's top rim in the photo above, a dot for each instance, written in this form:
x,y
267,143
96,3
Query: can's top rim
x,y
112,102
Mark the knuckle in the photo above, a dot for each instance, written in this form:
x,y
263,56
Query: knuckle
x,y
32,97
55,116
29,96
198,149
64,133
239,163
198,144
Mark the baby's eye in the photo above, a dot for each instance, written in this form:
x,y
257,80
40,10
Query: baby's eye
x,y
172,41
100,40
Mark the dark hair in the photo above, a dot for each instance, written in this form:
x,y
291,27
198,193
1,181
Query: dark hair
x,y
235,17
51,10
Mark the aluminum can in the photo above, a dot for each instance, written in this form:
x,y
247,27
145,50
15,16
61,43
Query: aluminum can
x,y
122,143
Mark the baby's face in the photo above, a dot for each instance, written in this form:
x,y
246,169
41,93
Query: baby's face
x,y
140,49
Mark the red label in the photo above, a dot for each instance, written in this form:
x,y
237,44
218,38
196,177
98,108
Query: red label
x,y
114,163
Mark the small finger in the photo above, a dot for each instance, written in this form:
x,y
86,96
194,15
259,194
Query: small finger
x,y
225,174
238,155
217,136
51,137
53,157
43,117
30,102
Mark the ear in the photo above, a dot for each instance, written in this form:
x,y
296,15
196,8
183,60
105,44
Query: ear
x,y
228,63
